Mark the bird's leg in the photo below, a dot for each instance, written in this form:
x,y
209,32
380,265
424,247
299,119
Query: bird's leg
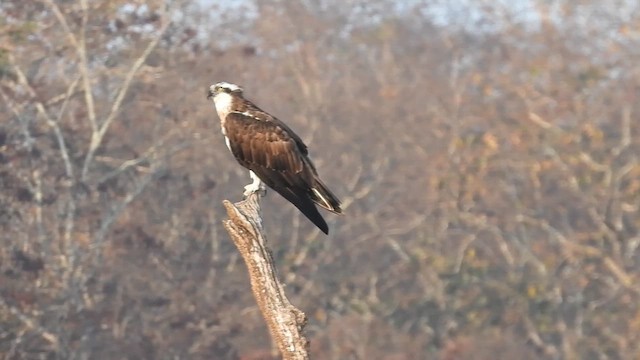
x,y
256,185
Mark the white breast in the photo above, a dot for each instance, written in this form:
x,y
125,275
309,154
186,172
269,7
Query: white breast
x,y
223,103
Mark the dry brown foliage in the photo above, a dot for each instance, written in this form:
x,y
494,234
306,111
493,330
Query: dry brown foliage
x,y
489,166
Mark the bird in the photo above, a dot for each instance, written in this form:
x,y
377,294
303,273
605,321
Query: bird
x,y
274,154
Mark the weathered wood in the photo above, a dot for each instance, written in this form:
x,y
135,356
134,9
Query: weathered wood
x,y
285,322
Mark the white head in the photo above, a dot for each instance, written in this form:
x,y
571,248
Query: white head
x,y
224,87
222,94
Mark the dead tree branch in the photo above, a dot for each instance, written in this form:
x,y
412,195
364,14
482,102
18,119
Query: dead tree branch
x,y
285,321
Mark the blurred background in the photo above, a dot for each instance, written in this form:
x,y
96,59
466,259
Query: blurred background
x,y
487,153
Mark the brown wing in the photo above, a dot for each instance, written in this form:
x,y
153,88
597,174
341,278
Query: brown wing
x,y
248,106
267,147
273,153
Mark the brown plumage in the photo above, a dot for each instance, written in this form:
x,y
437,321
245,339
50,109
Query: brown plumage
x,y
272,151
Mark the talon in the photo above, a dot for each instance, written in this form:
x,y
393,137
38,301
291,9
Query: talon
x,y
252,188
255,186
247,192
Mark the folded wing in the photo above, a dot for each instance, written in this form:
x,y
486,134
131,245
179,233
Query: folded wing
x,y
279,158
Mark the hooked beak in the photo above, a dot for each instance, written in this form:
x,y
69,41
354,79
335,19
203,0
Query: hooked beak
x,y
209,94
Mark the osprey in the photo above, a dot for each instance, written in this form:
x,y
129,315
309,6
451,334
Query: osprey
x,y
272,152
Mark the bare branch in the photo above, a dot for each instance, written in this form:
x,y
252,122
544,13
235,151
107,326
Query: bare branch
x,y
32,324
118,208
22,80
98,133
84,66
149,155
63,22
535,338
625,127
571,248
81,49
285,322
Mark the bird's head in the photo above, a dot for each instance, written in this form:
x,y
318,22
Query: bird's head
x,y
223,87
